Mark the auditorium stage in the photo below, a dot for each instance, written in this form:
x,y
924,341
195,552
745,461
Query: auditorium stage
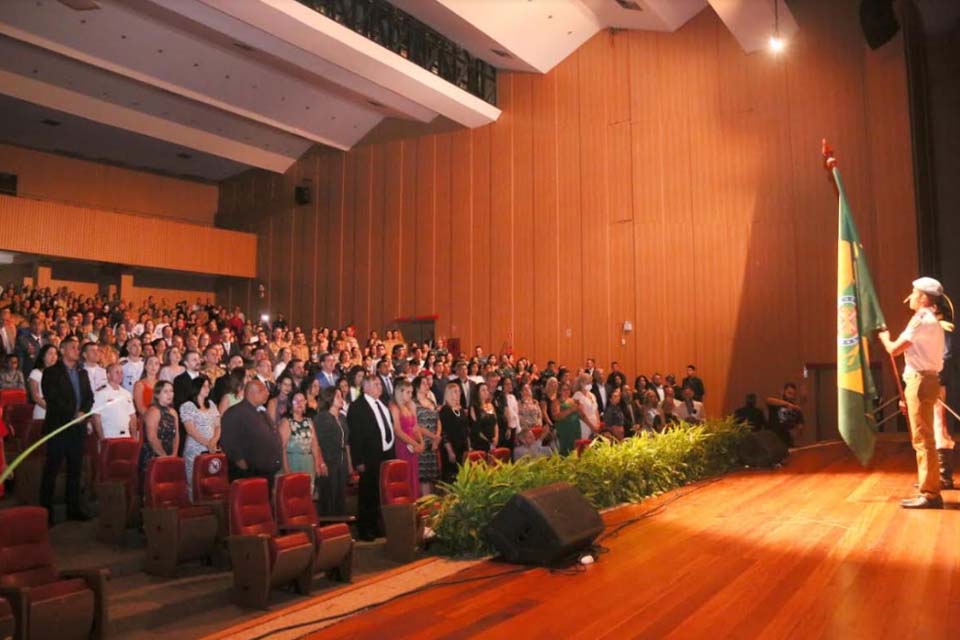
x,y
817,549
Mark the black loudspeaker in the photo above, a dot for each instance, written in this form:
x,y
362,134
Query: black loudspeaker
x,y
301,195
8,184
762,449
878,21
544,526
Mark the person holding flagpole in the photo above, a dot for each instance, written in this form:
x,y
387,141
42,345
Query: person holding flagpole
x,y
921,344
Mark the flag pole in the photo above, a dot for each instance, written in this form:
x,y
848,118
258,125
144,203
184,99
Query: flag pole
x,y
829,164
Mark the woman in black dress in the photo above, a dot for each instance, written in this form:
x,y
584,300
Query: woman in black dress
x,y
161,428
455,436
332,437
484,430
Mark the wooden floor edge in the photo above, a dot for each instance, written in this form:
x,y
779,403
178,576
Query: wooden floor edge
x,y
335,592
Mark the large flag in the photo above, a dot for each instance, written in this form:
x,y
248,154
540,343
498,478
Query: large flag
x,y
858,317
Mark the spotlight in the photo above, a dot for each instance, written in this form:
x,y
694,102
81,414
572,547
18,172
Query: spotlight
x,y
777,44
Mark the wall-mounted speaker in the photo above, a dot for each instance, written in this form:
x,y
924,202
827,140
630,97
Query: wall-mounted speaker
x,y
8,184
301,195
878,19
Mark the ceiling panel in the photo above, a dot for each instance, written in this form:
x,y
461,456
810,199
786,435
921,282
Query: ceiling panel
x,y
23,124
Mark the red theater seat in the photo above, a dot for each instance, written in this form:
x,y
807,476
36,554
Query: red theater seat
x,y
29,473
44,602
7,625
401,520
264,556
117,492
211,486
332,540
176,531
499,455
476,456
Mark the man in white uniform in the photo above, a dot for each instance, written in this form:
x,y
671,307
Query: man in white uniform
x,y
118,417
921,343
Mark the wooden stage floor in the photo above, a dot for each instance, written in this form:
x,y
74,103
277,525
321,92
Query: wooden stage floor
x,y
817,549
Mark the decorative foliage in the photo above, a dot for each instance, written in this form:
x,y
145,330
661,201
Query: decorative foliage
x,y
607,474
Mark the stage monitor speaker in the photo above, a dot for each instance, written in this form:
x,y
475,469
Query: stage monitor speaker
x,y
544,526
301,195
878,19
762,449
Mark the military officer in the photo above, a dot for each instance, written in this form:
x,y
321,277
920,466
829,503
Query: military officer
x,y
922,343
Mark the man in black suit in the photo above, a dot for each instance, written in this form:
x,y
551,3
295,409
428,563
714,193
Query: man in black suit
x,y
183,388
599,390
385,373
66,389
230,346
249,438
468,388
371,442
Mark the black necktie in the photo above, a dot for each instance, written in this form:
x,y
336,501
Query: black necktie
x,y
386,426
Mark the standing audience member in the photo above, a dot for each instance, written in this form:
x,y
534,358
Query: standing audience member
x,y
249,438
279,403
66,388
118,416
409,441
47,358
589,412
12,377
484,428
132,364
786,415
333,439
455,435
160,428
183,383
528,409
693,382
201,422
431,432
91,363
298,442
143,388
232,389
371,442
509,410
172,366
613,419
566,414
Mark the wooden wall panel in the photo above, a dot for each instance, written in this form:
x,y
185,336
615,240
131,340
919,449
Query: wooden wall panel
x,y
48,176
665,179
36,226
439,243
499,251
461,237
545,243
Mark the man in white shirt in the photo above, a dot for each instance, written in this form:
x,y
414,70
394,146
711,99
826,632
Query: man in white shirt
x,y
921,344
117,417
689,410
91,362
132,364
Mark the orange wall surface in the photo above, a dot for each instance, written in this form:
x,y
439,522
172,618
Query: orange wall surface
x,y
667,179
52,229
48,176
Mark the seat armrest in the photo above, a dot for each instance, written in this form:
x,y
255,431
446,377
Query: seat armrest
x,y
96,579
299,528
345,519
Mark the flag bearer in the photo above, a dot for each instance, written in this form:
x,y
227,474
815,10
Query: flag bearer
x,y
922,345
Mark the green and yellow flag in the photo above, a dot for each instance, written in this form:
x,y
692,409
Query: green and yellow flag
x,y
858,317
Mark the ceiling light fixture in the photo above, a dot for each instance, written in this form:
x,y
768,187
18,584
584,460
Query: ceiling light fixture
x,y
777,43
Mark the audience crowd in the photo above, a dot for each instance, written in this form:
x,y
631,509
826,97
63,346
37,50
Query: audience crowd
x,y
191,378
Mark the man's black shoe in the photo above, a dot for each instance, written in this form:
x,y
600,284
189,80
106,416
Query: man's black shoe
x,y
922,502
